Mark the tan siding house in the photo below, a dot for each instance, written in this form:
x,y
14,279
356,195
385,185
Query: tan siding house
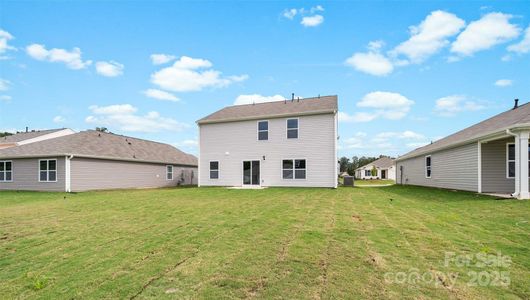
x,y
489,157
92,160
286,143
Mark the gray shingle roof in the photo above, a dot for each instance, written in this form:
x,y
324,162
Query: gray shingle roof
x,y
22,136
496,124
382,163
96,144
317,105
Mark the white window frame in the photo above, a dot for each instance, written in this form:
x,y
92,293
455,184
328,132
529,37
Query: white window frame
x,y
369,172
508,160
210,170
5,171
168,172
297,128
428,167
48,170
293,169
258,131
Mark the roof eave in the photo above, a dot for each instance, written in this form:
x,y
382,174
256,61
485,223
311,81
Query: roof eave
x,y
96,157
500,132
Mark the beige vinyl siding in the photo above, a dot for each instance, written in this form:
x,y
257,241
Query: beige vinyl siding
x,y
231,143
455,168
99,174
26,176
494,168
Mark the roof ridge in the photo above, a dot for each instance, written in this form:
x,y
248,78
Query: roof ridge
x,y
288,100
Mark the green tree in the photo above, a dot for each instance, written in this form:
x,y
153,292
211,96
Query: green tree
x,y
344,163
374,171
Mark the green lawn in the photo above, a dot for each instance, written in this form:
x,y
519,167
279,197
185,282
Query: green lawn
x,y
374,182
272,243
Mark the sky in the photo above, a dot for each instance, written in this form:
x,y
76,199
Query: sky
x,y
406,73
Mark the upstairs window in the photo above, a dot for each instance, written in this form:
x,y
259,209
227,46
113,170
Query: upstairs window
x,y
169,172
48,170
428,162
214,170
263,130
294,169
292,128
6,171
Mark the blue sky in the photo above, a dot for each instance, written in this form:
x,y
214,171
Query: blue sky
x,y
406,73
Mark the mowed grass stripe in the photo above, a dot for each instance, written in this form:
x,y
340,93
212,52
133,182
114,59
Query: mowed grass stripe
x,y
272,243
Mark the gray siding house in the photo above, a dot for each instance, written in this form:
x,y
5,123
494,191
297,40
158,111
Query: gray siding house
x,y
291,143
92,160
489,157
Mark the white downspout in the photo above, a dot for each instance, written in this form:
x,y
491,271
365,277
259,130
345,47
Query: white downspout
x,y
479,166
67,175
517,162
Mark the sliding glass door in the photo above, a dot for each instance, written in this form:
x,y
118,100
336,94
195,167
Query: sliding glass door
x,y
251,170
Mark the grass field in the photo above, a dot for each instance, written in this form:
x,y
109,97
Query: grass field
x,y
272,243
374,182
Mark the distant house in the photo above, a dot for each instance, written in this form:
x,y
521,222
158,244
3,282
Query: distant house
x,y
28,137
384,169
284,143
488,157
92,160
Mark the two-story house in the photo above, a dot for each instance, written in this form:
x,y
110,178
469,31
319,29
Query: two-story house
x,y
283,143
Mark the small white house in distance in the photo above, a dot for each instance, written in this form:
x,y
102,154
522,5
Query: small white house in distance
x,y
385,169
291,143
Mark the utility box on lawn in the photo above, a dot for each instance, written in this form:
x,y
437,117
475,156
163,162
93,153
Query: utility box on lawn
x,y
348,181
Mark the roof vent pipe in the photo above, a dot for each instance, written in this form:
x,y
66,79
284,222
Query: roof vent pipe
x,y
27,128
292,97
516,104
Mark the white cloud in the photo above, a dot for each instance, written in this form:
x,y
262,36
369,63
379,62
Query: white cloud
x,y
257,98
4,84
357,141
417,144
309,16
358,117
405,135
451,105
72,59
504,82
5,37
490,30
392,106
124,118
159,59
185,76
429,36
5,98
190,144
371,62
523,46
290,13
160,95
109,69
59,119
312,21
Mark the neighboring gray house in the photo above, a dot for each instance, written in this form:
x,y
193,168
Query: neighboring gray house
x,y
385,167
92,160
28,137
282,143
489,157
